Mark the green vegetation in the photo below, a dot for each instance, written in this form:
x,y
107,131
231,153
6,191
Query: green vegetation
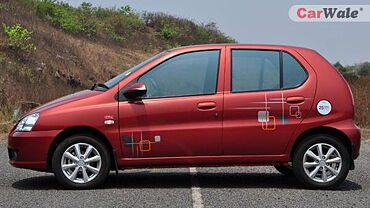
x,y
169,30
79,46
358,77
3,7
178,31
355,71
68,18
124,25
18,37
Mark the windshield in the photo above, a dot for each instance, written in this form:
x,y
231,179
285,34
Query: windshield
x,y
126,73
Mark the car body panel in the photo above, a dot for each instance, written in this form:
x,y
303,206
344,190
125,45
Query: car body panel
x,y
182,129
181,125
31,144
243,133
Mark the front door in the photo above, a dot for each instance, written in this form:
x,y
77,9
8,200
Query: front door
x,y
270,94
181,114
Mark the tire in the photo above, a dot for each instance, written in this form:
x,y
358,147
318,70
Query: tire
x,y
321,172
87,171
285,170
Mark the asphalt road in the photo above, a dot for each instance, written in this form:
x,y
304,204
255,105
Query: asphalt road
x,y
200,187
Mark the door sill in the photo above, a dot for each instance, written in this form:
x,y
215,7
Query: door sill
x,y
203,161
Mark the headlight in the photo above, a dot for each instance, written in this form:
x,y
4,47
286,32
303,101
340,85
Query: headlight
x,y
27,123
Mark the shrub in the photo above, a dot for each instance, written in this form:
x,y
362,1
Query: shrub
x,y
3,7
122,25
65,16
126,10
184,32
18,37
113,34
202,33
169,30
125,24
133,21
59,14
364,69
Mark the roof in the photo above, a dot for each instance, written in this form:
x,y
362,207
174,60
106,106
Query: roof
x,y
257,46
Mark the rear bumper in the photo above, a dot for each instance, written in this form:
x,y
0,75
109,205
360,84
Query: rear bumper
x,y
352,132
30,149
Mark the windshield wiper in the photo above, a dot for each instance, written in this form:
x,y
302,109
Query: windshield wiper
x,y
100,85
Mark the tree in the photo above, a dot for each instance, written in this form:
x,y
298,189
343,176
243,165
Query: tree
x,y
340,67
364,69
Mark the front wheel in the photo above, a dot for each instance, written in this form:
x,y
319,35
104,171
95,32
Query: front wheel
x,y
81,162
321,162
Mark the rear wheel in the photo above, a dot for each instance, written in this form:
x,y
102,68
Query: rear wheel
x,y
321,161
81,161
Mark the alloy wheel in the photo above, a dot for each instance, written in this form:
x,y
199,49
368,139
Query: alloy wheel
x,y
322,162
81,163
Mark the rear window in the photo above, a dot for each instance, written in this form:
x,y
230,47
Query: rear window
x,y
293,72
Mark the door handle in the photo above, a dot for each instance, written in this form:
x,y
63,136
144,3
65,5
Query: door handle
x,y
295,99
207,106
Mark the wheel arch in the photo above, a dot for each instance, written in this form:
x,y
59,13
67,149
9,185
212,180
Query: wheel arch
x,y
323,130
80,130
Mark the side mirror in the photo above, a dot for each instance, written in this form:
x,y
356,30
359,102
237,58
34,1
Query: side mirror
x,y
135,91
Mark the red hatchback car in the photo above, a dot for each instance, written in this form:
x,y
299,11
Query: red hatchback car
x,y
205,105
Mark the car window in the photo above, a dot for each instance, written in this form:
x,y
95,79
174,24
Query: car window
x,y
293,73
115,80
187,74
255,70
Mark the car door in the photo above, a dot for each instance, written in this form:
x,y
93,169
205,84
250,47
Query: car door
x,y
267,94
181,115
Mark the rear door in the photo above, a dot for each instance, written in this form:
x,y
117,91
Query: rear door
x,y
268,92
182,112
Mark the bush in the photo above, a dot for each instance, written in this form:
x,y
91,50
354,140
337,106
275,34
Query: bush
x,y
202,33
113,34
182,31
169,30
364,69
67,17
3,7
124,24
18,37
133,21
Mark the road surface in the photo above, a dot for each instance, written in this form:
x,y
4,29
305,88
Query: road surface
x,y
194,187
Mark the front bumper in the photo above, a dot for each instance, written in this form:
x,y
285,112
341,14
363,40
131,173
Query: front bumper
x,y
30,149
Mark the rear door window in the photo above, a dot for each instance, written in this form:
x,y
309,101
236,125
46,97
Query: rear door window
x,y
255,70
293,73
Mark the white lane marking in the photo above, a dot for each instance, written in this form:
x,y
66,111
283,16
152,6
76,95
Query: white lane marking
x,y
195,189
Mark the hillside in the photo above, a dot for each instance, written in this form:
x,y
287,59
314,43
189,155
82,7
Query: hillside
x,y
72,48
50,49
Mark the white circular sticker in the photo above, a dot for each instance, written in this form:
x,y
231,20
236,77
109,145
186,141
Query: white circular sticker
x,y
324,107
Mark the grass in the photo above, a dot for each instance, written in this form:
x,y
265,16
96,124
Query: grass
x,y
361,89
77,47
365,134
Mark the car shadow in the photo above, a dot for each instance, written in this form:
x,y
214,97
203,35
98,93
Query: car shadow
x,y
150,180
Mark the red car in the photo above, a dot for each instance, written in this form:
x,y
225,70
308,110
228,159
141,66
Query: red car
x,y
206,105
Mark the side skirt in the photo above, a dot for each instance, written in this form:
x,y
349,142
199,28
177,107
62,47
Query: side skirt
x,y
202,161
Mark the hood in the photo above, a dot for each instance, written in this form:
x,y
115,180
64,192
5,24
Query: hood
x,y
66,99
